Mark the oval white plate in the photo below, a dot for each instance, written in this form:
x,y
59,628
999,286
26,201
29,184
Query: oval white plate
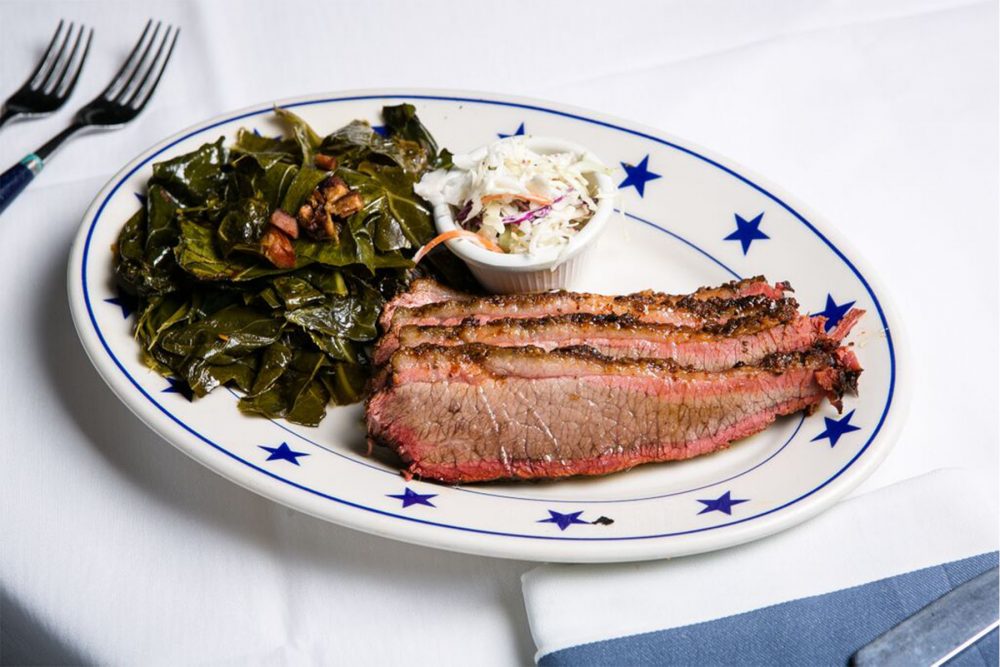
x,y
689,219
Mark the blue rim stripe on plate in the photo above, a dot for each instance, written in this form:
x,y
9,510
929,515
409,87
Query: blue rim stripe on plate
x,y
531,107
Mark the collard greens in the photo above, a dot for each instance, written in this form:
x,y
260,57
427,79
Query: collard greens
x,y
214,311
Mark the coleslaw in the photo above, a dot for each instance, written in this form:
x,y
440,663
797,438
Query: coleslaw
x,y
515,198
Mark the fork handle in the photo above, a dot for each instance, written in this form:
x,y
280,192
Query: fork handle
x,y
6,115
16,179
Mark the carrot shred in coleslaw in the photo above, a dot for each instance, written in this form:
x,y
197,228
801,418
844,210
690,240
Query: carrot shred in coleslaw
x,y
454,234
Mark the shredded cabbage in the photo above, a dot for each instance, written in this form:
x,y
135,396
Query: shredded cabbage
x,y
523,201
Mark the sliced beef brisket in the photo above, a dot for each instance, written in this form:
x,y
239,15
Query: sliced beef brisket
x,y
427,305
717,304
474,413
710,347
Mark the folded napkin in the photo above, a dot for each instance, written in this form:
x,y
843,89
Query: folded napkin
x,y
810,595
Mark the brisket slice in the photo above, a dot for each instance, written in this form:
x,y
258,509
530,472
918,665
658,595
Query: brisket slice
x,y
421,292
712,347
475,413
432,306
424,291
706,306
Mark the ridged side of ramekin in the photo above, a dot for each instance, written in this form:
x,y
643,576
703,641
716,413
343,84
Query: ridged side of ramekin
x,y
501,280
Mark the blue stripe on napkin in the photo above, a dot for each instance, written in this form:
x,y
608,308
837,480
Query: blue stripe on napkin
x,y
820,630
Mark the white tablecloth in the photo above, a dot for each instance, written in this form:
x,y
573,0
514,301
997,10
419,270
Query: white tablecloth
x,y
115,547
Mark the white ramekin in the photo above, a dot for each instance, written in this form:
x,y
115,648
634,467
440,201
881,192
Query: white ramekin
x,y
504,273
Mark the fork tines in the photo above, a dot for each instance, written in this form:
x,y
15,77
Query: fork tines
x,y
59,68
55,76
135,82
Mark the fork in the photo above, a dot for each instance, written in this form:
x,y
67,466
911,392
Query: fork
x,y
124,98
53,80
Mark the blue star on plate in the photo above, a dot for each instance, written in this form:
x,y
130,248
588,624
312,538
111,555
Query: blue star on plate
x,y
517,133
380,130
723,503
411,497
747,231
178,386
834,312
124,303
283,453
836,428
638,175
564,521
141,197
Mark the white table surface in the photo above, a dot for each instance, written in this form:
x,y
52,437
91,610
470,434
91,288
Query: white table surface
x,y
115,547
